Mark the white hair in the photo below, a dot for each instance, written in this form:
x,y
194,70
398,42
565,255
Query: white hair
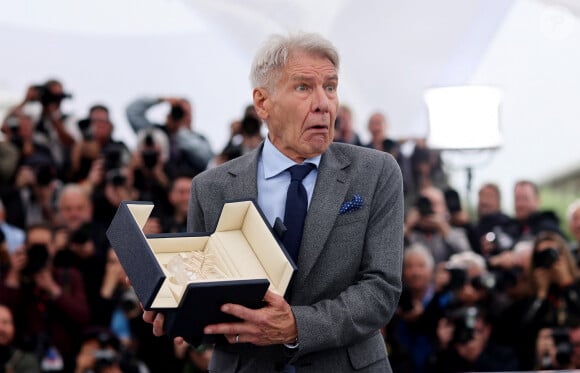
x,y
277,51
572,209
467,259
422,251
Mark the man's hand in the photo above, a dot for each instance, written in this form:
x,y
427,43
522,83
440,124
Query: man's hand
x,y
272,324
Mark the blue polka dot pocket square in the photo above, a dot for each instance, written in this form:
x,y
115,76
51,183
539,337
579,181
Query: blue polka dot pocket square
x,y
354,204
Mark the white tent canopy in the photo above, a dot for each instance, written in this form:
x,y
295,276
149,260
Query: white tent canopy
x,y
112,51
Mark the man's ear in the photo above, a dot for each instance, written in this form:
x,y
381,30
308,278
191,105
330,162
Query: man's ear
x,y
261,96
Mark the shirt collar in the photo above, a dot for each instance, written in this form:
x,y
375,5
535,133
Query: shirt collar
x,y
275,162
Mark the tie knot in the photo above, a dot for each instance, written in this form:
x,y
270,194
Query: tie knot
x,y
298,172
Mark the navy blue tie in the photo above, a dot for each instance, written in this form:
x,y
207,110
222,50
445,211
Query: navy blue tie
x,y
296,206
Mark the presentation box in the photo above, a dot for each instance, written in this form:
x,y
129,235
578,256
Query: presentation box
x,y
188,276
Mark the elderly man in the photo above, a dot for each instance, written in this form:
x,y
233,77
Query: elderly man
x,y
349,253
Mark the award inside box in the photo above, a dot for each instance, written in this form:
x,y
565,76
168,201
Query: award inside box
x,y
188,276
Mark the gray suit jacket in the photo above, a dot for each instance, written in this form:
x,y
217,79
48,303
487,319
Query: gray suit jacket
x,y
349,268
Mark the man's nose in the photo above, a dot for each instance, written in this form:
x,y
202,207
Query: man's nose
x,y
320,101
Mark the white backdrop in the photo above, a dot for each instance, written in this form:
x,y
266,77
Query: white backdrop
x,y
111,51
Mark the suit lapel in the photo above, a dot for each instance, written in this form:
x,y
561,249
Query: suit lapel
x,y
244,177
331,186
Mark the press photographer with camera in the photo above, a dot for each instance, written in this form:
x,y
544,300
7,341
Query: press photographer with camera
x,y
97,143
494,231
189,151
54,128
427,222
556,283
410,341
465,344
49,302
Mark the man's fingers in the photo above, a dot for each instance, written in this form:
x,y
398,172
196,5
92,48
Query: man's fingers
x,y
158,325
149,316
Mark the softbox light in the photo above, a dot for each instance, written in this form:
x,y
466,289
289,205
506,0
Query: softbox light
x,y
463,117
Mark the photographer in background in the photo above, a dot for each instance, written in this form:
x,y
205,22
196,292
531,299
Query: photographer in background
x,y
49,302
150,167
12,358
465,344
189,151
249,138
54,129
494,232
102,352
97,143
407,336
428,222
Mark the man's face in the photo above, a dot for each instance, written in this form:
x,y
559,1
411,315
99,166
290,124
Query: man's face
x,y
526,201
301,109
75,209
488,202
377,126
6,326
179,194
416,272
101,125
575,224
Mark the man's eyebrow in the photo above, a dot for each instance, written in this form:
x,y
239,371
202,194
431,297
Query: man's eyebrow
x,y
309,77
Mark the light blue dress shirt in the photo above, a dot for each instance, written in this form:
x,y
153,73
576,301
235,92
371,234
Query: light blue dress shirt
x,y
273,181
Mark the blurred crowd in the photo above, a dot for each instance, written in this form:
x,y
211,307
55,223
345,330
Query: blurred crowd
x,y
488,292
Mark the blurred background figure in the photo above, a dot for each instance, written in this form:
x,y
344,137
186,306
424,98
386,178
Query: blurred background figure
x,y
101,352
493,232
12,358
54,128
344,129
248,137
378,128
13,236
530,218
465,344
427,222
189,151
49,302
406,333
573,220
96,143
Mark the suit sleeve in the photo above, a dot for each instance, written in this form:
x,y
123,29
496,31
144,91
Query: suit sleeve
x,y
368,303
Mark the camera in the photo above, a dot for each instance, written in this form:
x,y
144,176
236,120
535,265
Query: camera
x,y
406,300
48,97
561,337
545,258
457,278
500,239
177,113
149,154
452,200
116,177
150,157
464,320
129,301
84,126
37,259
424,206
82,234
113,156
